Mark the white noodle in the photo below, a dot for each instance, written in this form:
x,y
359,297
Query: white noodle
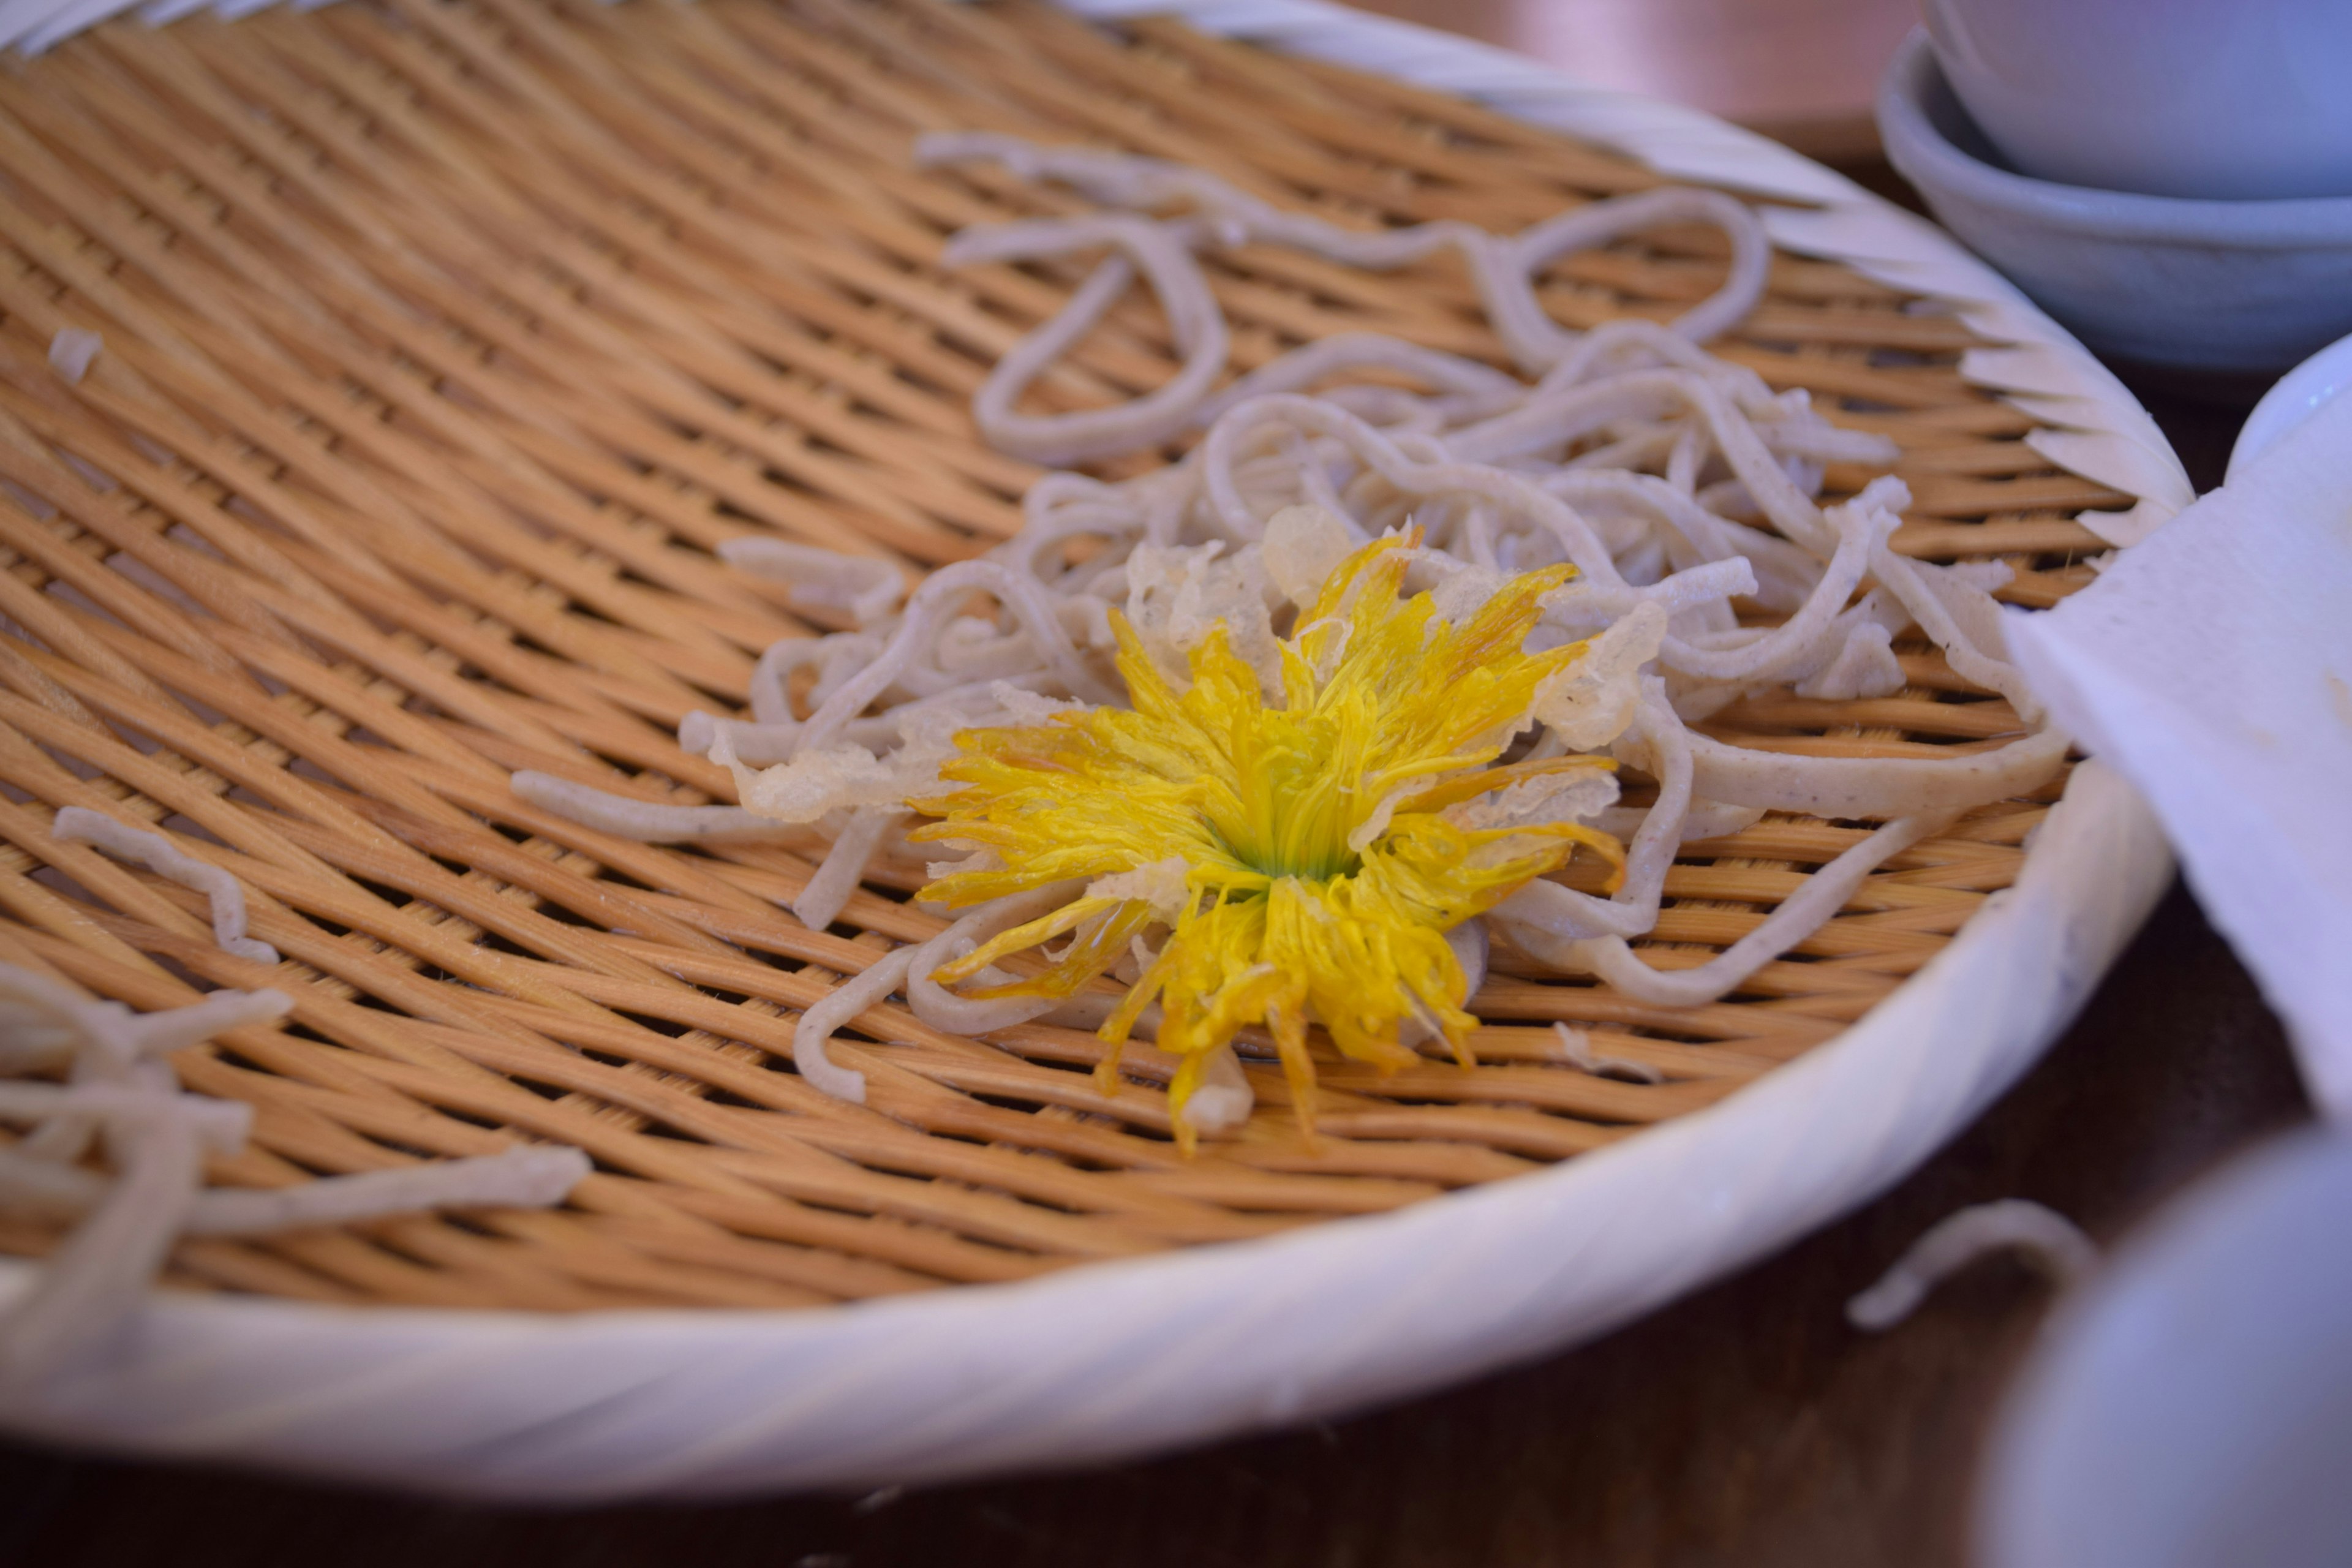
x,y
80,824
837,1007
93,1281
1223,1099
1470,388
73,351
1801,914
643,820
1576,1049
821,901
2048,1240
944,1009
519,1178
1503,270
121,1091
1747,656
1875,787
888,974
1195,322
866,586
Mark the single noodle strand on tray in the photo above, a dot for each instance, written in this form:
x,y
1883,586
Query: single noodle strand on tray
x,y
1278,734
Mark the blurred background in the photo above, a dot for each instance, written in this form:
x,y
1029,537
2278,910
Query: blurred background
x,y
1801,71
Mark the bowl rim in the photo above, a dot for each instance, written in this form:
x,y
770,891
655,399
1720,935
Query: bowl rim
x,y
1924,155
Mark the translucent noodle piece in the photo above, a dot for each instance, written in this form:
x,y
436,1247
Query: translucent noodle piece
x,y
80,824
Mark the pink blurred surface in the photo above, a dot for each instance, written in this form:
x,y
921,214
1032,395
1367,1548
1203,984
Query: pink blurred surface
x,y
1803,70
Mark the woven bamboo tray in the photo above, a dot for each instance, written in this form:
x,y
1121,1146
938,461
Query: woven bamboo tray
x,y
443,339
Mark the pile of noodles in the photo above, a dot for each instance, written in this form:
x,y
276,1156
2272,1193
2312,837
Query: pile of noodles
x,y
1675,482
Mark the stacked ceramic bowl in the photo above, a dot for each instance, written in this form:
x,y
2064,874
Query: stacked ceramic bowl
x,y
2171,180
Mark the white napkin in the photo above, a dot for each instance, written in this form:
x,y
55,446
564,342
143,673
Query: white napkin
x,y
2212,665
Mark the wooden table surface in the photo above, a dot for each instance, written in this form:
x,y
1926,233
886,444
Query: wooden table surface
x,y
1745,1425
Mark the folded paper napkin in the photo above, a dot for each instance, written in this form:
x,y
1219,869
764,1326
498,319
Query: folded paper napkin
x,y
2212,665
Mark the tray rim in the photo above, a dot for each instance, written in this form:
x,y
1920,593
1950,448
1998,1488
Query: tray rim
x,y
1116,1360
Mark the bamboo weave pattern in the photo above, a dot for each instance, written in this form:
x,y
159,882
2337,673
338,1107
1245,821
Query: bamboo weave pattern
x,y
443,339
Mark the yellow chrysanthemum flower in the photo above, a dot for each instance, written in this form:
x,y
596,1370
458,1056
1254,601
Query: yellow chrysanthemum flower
x,y
1320,867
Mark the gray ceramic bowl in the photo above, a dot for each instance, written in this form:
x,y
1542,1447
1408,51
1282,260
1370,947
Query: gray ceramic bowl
x,y
2213,286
